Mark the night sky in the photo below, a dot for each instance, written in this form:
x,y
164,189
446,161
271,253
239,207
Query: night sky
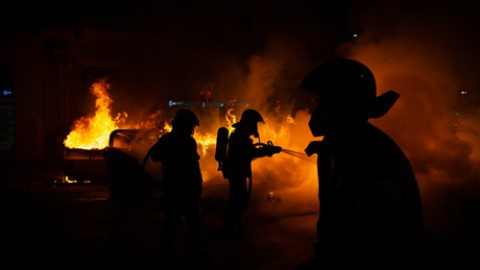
x,y
207,34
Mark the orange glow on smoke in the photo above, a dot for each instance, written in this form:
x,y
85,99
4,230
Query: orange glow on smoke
x,y
291,178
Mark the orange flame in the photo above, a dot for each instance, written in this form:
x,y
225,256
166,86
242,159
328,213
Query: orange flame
x,y
167,127
230,117
93,132
205,141
152,121
272,175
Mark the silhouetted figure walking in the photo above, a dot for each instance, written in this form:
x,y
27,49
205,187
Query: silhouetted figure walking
x,y
370,207
237,167
182,181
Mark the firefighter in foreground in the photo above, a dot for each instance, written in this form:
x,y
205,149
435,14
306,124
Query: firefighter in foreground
x,y
370,207
237,167
182,181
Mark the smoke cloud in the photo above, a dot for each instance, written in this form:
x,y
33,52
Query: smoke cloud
x,y
427,56
427,53
282,184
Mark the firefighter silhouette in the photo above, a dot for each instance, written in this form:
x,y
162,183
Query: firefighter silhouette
x,y
370,207
237,167
182,180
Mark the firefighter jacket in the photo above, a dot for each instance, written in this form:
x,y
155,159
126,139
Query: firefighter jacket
x,y
370,207
241,152
179,158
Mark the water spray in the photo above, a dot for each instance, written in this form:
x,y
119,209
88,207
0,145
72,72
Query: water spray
x,y
299,155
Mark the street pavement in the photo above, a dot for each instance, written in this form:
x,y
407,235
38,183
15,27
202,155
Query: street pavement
x,y
49,223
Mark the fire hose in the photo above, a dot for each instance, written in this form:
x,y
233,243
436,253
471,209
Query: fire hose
x,y
297,154
300,155
122,215
293,153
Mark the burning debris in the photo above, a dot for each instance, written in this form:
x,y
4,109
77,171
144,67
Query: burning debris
x,y
67,181
82,166
272,196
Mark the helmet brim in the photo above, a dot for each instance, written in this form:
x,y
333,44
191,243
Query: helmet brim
x,y
382,104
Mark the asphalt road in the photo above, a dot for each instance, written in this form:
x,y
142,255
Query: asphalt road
x,y
46,223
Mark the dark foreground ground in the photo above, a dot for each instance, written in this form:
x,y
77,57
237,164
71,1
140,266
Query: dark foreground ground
x,y
47,223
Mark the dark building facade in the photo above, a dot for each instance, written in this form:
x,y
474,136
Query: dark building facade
x,y
152,51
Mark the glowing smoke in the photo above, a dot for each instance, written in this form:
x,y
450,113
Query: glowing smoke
x,y
425,58
420,55
418,51
268,82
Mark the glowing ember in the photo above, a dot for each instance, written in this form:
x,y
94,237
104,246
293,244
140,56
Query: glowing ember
x,y
167,127
93,132
68,180
230,117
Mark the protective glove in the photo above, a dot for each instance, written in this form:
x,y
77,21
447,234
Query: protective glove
x,y
271,150
313,148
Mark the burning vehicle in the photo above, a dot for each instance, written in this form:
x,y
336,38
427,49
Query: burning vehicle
x,y
100,149
127,174
106,149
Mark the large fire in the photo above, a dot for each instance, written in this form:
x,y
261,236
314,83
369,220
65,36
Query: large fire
x,y
93,132
292,174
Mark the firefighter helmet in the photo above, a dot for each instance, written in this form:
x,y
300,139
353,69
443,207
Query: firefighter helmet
x,y
352,84
350,79
185,117
249,116
346,91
